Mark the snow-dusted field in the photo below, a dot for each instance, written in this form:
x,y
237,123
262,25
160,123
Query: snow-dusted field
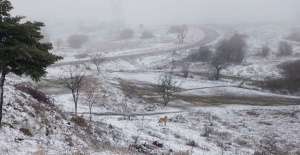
x,y
206,117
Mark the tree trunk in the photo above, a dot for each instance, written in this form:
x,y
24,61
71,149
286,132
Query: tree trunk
x,y
217,74
75,101
77,92
1,93
90,113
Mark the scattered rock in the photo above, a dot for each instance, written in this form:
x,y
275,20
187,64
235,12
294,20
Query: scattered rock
x,y
178,119
19,139
25,131
160,145
111,126
151,108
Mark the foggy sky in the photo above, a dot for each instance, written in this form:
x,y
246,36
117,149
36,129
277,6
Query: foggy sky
x,y
162,11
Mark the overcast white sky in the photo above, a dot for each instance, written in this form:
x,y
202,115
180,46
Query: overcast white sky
x,y
163,11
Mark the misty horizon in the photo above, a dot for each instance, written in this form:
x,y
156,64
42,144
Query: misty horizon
x,y
156,12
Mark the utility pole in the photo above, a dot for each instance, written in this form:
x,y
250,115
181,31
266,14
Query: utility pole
x,y
117,17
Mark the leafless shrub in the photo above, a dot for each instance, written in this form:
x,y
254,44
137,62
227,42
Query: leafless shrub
x,y
185,69
269,146
129,92
205,54
221,144
128,89
147,35
225,136
166,85
26,131
97,59
80,121
283,86
291,70
207,130
142,148
119,150
61,113
182,153
292,113
241,142
77,40
284,49
36,94
181,34
126,34
41,151
290,83
252,113
91,95
69,141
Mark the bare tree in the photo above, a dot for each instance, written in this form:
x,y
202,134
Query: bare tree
x,y
185,69
233,50
166,86
284,49
97,59
205,53
291,70
218,63
129,92
91,95
181,34
73,81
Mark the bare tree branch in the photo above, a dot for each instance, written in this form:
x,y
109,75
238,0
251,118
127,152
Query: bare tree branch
x,y
181,34
97,59
91,95
166,86
73,80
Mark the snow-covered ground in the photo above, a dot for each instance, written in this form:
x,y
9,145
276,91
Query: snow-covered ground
x,y
206,117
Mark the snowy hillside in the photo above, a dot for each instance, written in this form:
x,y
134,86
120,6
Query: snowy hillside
x,y
230,116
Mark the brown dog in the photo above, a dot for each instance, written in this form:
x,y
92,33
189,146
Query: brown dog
x,y
165,120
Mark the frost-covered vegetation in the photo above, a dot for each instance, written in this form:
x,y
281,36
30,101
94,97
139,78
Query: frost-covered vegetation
x,y
216,89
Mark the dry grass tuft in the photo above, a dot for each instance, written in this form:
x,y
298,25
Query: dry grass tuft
x,y
80,121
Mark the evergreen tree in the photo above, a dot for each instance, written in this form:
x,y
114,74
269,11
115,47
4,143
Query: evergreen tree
x,y
21,51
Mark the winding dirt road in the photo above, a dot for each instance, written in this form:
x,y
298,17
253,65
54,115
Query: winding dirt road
x,y
210,35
